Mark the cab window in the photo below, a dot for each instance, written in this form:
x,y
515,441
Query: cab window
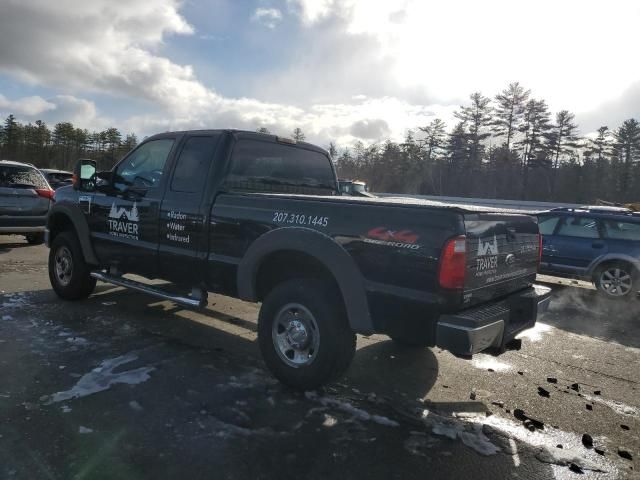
x,y
144,167
271,166
583,227
193,164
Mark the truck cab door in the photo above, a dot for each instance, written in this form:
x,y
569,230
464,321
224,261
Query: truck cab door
x,y
183,226
123,216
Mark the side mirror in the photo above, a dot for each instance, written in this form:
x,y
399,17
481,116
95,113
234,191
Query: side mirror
x,y
84,175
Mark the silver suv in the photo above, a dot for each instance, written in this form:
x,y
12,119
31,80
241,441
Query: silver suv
x,y
25,199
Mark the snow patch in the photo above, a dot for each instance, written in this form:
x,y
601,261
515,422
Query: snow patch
x,y
102,378
77,341
350,409
82,429
535,334
614,405
485,362
7,317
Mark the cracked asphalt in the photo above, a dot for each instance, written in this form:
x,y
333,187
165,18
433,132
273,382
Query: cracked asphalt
x,y
125,386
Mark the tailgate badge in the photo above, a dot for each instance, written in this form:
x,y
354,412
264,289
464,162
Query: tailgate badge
x,y
510,259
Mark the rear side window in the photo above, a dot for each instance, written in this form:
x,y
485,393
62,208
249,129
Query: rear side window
x,y
622,230
583,227
21,177
193,164
255,163
547,224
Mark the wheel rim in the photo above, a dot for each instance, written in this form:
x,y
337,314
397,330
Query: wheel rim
x,y
616,281
63,265
295,335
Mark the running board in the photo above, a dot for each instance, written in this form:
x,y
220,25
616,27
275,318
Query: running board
x,y
188,302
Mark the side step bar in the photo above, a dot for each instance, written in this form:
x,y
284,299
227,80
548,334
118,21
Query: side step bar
x,y
189,302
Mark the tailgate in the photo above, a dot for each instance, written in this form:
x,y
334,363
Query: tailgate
x,y
502,254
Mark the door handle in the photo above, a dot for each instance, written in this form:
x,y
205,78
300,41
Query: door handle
x,y
597,245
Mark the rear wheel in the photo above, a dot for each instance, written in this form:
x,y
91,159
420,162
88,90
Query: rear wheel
x,y
304,335
617,280
35,238
69,274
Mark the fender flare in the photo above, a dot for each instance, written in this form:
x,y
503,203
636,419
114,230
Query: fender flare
x,y
612,257
324,249
79,222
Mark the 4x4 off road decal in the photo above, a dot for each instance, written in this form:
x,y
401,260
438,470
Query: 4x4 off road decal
x,y
123,222
393,238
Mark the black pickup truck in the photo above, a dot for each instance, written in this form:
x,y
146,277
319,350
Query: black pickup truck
x,y
261,218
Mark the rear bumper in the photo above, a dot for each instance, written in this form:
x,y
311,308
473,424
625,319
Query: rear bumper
x,y
493,325
22,223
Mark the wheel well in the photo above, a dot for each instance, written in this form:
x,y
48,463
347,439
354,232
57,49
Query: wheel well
x,y
59,223
285,265
634,270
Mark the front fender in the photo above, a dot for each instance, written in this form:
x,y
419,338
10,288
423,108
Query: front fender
x,y
324,249
64,214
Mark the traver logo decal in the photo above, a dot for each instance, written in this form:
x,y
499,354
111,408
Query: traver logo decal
x,y
401,238
487,258
123,222
487,248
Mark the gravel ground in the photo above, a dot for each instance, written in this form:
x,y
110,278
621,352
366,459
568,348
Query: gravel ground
x,y
125,386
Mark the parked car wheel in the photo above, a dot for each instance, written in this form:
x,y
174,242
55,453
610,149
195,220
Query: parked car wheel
x,y
304,334
617,280
35,238
69,274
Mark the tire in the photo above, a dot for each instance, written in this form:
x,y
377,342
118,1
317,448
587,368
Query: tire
x,y
304,335
617,280
69,274
35,238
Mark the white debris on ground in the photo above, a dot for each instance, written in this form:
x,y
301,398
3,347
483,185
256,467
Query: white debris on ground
x,y
535,334
77,341
135,406
350,409
82,429
614,405
102,378
486,362
7,317
65,409
14,301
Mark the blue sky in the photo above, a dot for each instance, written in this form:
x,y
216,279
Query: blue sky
x,y
342,70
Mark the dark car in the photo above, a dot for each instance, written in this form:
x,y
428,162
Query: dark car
x,y
57,178
260,218
25,199
596,244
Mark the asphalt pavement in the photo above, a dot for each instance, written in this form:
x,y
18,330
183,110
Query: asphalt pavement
x,y
125,386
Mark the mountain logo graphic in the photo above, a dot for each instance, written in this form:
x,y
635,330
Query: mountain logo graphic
x,y
118,212
487,248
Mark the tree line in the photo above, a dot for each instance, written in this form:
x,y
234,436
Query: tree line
x,y
508,146
61,146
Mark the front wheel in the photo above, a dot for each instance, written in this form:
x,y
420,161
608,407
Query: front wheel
x,y
69,274
617,280
304,335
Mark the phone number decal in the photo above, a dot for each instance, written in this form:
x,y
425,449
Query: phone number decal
x,y
300,219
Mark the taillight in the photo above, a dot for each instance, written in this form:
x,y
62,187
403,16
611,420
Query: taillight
x,y
453,263
74,180
45,193
539,248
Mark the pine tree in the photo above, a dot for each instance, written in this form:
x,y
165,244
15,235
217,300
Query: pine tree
x,y
298,135
509,111
477,117
626,150
435,138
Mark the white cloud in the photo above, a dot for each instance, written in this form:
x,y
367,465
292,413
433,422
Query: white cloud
x,y
26,106
269,17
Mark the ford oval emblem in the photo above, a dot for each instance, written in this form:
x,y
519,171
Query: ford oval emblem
x,y
510,259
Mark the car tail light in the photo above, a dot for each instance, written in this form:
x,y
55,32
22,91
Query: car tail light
x,y
74,180
539,248
45,192
453,263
